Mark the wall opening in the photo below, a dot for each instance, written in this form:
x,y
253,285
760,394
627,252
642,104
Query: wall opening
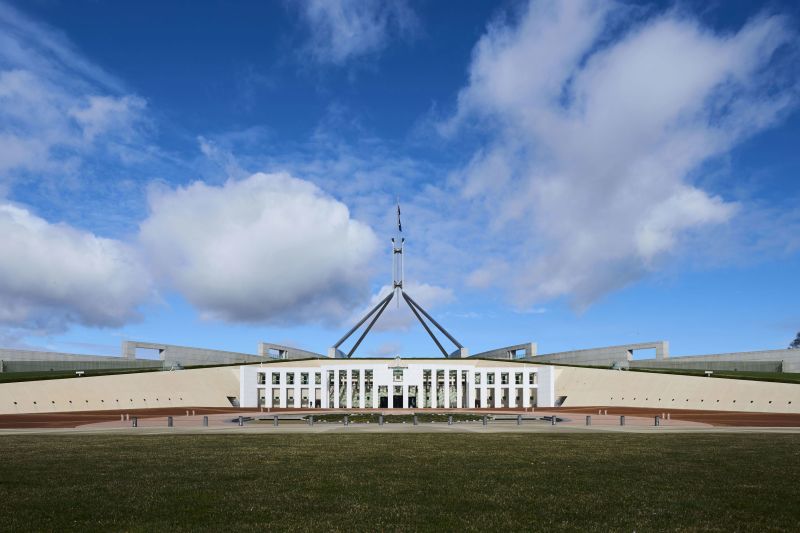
x,y
644,353
153,354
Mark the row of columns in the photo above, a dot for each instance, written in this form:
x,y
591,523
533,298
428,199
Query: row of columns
x,y
459,403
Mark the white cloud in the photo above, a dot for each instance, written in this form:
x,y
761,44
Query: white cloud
x,y
52,275
107,114
65,124
589,179
386,349
344,29
268,248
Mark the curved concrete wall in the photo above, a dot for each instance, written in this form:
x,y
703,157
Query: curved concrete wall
x,y
206,387
591,386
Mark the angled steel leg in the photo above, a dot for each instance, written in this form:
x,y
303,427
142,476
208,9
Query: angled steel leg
x,y
412,303
363,320
369,326
424,325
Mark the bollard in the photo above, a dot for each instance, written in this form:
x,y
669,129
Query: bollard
x,y
668,418
553,420
450,420
346,420
599,411
605,412
134,422
241,420
485,420
187,412
519,420
275,420
588,420
127,416
622,420
311,420
657,421
192,412
380,420
205,421
122,418
169,421
415,420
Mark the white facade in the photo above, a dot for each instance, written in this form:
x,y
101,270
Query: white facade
x,y
398,383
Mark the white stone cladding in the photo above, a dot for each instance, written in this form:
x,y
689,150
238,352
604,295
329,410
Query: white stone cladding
x,y
396,383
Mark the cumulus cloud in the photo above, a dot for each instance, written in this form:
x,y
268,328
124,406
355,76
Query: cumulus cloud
x,y
267,248
597,137
344,29
53,275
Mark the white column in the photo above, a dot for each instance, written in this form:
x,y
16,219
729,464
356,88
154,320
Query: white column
x,y
361,389
375,398
433,388
349,383
470,387
497,390
526,392
446,388
405,396
484,392
459,390
324,402
336,389
298,401
283,390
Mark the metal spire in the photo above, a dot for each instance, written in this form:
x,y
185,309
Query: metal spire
x,y
397,292
397,257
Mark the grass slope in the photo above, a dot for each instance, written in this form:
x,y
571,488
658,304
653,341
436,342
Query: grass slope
x,y
576,482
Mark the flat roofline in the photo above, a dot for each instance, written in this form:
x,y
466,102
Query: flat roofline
x,y
358,359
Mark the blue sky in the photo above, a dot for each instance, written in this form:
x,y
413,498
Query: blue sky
x,y
575,174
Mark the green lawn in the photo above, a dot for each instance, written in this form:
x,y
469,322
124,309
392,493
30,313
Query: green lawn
x,y
370,482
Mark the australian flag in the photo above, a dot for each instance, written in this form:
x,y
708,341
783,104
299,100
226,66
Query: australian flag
x,y
399,225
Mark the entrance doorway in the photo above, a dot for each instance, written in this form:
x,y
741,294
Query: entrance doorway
x,y
397,398
383,397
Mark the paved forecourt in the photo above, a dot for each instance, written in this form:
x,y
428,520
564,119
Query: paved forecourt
x,y
219,421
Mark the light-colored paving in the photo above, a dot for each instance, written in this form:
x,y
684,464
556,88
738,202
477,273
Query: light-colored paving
x,y
291,423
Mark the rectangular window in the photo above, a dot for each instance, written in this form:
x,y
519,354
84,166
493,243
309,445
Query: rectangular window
x,y
318,378
398,374
490,378
532,378
304,378
290,378
477,378
504,378
276,378
262,378
368,376
518,378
